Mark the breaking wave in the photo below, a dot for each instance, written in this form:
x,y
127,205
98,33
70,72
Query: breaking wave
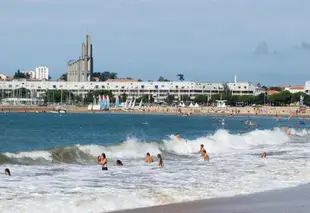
x,y
220,142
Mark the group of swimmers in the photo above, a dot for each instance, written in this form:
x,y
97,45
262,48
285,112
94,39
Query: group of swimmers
x,y
103,161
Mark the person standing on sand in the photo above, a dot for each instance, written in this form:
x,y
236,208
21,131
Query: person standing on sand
x,y
160,161
103,161
148,158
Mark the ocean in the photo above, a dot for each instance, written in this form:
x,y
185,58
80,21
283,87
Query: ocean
x,y
52,158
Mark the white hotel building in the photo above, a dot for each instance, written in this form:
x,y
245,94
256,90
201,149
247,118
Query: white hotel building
x,y
159,90
40,73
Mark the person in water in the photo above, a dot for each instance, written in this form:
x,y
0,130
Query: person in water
x,y
148,158
103,161
264,155
178,136
288,131
160,161
205,155
202,149
7,172
118,163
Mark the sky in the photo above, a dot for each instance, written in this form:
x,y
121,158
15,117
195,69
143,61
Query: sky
x,y
206,40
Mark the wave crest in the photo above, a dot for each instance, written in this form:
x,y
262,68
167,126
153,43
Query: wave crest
x,y
220,142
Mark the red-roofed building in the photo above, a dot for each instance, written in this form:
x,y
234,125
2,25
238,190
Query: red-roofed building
x,y
272,92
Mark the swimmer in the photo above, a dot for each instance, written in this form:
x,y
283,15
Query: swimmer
x,y
7,172
148,158
98,159
118,163
160,161
288,131
202,149
264,155
204,155
103,161
178,136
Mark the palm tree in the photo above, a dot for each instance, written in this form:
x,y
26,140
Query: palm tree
x,y
181,77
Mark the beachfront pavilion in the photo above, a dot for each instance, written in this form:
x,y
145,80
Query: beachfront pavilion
x,y
159,90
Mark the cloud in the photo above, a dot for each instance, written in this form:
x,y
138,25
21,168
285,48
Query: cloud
x,y
305,46
262,49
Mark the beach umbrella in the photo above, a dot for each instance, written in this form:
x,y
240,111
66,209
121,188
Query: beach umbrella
x,y
108,102
102,103
116,101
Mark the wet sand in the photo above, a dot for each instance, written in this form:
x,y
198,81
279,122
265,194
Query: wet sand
x,y
289,200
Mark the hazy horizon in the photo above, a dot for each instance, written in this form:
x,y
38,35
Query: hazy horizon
x,y
206,40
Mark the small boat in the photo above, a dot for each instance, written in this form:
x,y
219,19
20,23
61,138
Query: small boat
x,y
58,111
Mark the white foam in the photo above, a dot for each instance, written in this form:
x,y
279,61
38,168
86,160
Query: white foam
x,y
234,168
32,155
131,148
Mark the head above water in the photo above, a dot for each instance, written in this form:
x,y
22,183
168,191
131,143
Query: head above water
x,y
119,163
7,172
148,154
201,145
103,155
159,155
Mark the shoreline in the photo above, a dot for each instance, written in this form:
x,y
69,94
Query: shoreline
x,y
292,200
203,111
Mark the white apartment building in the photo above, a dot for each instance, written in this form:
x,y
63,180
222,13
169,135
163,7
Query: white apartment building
x,y
295,89
241,88
41,73
158,90
31,73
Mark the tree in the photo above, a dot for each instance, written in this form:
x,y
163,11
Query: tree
x,y
276,88
201,99
161,78
170,99
186,98
89,98
58,96
123,97
108,75
18,74
181,77
64,77
295,97
215,97
260,99
146,99
226,94
105,75
282,98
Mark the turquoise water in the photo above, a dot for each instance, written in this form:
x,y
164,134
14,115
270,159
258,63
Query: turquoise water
x,y
24,132
52,159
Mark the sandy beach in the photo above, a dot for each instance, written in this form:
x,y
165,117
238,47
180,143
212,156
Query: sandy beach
x,y
242,111
290,200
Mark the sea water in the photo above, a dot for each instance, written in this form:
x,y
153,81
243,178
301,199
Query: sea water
x,y
52,158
